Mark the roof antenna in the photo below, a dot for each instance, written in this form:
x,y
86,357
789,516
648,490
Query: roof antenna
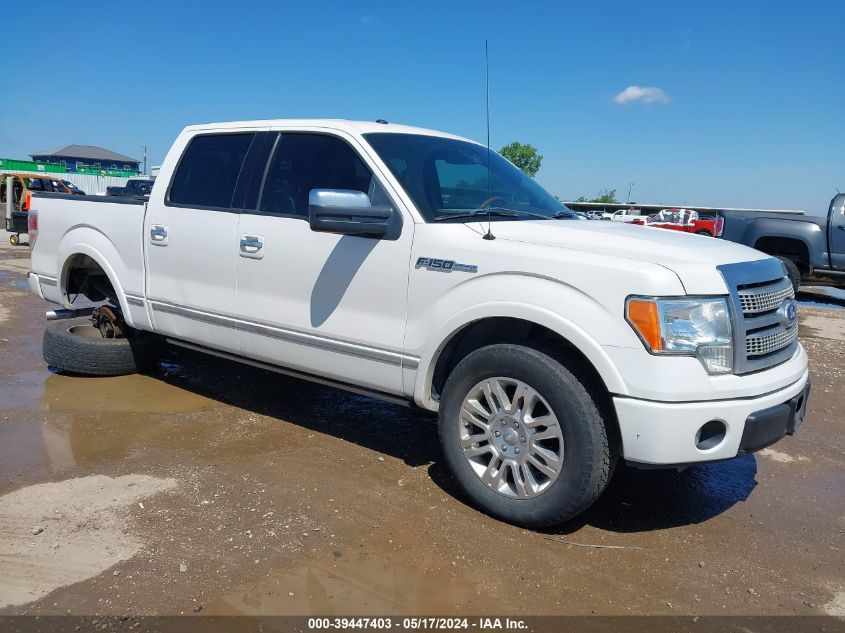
x,y
488,235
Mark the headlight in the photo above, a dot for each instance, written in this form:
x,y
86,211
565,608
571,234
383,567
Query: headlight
x,y
687,327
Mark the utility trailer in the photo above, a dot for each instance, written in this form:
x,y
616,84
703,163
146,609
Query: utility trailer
x,y
11,194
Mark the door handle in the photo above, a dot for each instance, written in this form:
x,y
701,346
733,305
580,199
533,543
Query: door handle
x,y
252,246
158,235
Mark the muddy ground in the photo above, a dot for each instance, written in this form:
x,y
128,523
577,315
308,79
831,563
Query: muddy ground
x,y
217,488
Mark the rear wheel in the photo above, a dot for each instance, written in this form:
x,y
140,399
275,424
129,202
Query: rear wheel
x,y
791,271
523,436
75,346
14,239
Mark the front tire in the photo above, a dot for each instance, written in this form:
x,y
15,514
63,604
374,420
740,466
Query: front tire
x,y
791,271
14,239
75,346
523,436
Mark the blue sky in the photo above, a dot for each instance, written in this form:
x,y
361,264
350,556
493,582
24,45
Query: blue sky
x,y
750,109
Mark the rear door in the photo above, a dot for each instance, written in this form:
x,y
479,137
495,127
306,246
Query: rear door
x,y
327,304
190,235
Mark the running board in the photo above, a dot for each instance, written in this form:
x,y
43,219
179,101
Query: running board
x,y
361,391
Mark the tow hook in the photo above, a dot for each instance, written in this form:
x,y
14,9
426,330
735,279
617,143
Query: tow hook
x,y
108,322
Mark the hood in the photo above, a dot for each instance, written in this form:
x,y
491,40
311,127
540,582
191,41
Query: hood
x,y
692,257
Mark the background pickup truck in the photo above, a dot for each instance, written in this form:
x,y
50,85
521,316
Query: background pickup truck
x,y
811,248
134,188
421,268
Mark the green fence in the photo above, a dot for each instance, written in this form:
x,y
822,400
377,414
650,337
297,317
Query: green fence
x,y
8,164
93,171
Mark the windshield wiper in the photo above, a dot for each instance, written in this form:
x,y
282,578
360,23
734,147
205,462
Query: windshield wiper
x,y
499,212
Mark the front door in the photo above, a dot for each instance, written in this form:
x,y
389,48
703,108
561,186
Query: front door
x,y
331,305
837,233
191,243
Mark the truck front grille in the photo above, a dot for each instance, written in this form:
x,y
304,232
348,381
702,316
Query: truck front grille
x,y
754,301
763,334
760,344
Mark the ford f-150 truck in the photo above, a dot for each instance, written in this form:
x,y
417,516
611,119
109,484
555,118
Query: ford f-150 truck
x,y
812,248
418,267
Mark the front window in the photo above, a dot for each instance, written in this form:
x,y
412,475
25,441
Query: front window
x,y
456,180
305,161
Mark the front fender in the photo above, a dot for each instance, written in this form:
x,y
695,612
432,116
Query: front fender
x,y
550,303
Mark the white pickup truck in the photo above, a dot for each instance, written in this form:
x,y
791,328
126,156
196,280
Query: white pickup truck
x,y
418,267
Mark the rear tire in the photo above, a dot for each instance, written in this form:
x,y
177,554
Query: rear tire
x,y
586,454
791,271
75,346
14,239
704,232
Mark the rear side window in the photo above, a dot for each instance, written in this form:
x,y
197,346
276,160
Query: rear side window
x,y
303,162
209,170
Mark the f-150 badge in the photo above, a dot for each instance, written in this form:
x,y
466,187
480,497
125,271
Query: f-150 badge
x,y
445,265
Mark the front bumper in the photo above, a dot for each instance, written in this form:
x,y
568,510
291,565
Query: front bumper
x,y
669,433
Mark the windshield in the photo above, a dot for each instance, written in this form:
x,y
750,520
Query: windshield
x,y
449,179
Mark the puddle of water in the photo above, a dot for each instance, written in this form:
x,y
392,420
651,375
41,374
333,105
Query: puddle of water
x,y
51,422
21,450
131,394
34,390
672,498
822,297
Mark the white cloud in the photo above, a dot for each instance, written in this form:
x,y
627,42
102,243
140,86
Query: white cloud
x,y
641,94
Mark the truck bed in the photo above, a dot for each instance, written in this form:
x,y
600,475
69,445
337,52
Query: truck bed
x,y
742,226
107,229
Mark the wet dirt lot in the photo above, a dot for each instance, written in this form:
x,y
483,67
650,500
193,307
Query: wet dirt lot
x,y
217,488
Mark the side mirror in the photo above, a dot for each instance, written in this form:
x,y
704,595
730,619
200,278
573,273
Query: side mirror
x,y
347,212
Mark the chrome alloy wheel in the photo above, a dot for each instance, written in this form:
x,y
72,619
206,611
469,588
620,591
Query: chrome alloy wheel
x,y
511,437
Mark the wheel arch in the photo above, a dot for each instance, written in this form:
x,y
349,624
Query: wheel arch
x,y
79,251
793,247
530,325
593,367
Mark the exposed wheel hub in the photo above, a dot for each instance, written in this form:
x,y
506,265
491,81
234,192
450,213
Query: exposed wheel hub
x,y
108,322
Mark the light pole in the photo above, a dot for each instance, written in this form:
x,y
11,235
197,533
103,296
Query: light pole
x,y
630,186
145,163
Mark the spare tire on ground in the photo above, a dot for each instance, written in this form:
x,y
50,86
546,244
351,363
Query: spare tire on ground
x,y
75,346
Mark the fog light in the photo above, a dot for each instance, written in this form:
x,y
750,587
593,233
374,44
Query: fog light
x,y
710,435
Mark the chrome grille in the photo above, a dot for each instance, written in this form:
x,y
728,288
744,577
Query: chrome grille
x,y
763,299
760,344
762,337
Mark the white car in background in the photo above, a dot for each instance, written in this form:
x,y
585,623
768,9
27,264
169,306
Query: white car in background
x,y
624,215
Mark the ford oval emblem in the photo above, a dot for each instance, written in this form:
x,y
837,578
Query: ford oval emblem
x,y
787,313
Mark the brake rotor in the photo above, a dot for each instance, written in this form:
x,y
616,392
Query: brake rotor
x,y
108,322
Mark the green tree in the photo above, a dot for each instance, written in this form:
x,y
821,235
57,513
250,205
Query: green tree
x,y
523,156
608,196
